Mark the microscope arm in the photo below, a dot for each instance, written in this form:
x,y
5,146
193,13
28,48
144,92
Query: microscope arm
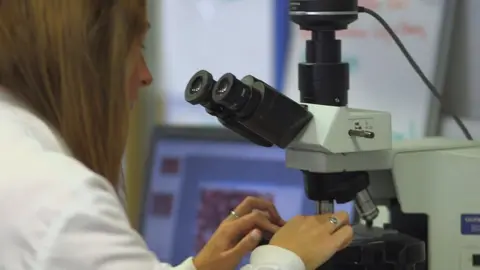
x,y
436,177
443,184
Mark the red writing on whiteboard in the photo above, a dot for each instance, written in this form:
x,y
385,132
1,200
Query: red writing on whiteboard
x,y
354,33
403,29
397,4
306,34
389,4
370,4
412,30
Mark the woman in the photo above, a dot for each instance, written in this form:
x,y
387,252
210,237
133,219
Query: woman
x,y
69,71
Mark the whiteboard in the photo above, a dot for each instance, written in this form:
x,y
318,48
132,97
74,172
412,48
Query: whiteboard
x,y
220,36
380,76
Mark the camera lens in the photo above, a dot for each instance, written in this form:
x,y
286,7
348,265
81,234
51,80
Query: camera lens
x,y
199,88
231,92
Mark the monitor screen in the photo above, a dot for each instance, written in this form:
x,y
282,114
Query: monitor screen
x,y
197,175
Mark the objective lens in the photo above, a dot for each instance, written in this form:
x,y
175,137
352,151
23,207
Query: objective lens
x,y
366,208
231,92
199,88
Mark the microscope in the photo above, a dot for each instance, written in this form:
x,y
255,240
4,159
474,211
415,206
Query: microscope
x,y
347,154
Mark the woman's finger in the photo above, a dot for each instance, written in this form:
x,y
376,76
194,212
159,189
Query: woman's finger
x,y
232,216
334,221
342,237
246,245
252,203
255,220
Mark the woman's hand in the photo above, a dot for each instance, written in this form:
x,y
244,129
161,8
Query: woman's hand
x,y
315,239
239,234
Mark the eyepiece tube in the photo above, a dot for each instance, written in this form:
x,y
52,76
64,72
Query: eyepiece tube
x,y
261,108
199,89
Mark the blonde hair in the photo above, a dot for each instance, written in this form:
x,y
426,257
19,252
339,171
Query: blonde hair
x,y
67,60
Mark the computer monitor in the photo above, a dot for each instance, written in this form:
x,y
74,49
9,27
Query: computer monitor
x,y
197,175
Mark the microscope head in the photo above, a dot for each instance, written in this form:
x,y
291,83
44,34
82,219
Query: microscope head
x,y
321,122
253,108
265,116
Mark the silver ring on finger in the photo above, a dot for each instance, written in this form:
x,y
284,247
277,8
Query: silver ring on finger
x,y
334,221
234,215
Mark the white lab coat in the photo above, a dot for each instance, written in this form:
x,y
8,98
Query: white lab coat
x,y
58,215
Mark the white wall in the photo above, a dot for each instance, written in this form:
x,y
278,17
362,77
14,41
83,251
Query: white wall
x,y
462,91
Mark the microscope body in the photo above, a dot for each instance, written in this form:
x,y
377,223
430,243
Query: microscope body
x,y
428,185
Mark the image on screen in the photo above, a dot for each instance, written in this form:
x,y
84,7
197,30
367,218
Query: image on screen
x,y
214,203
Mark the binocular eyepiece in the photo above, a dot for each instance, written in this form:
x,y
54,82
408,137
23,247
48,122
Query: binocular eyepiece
x,y
250,107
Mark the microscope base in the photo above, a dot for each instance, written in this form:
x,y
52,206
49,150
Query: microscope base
x,y
379,249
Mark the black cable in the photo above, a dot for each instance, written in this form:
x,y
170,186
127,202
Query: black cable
x,y
415,66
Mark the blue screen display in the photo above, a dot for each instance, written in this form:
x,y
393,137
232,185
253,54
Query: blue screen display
x,y
195,183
